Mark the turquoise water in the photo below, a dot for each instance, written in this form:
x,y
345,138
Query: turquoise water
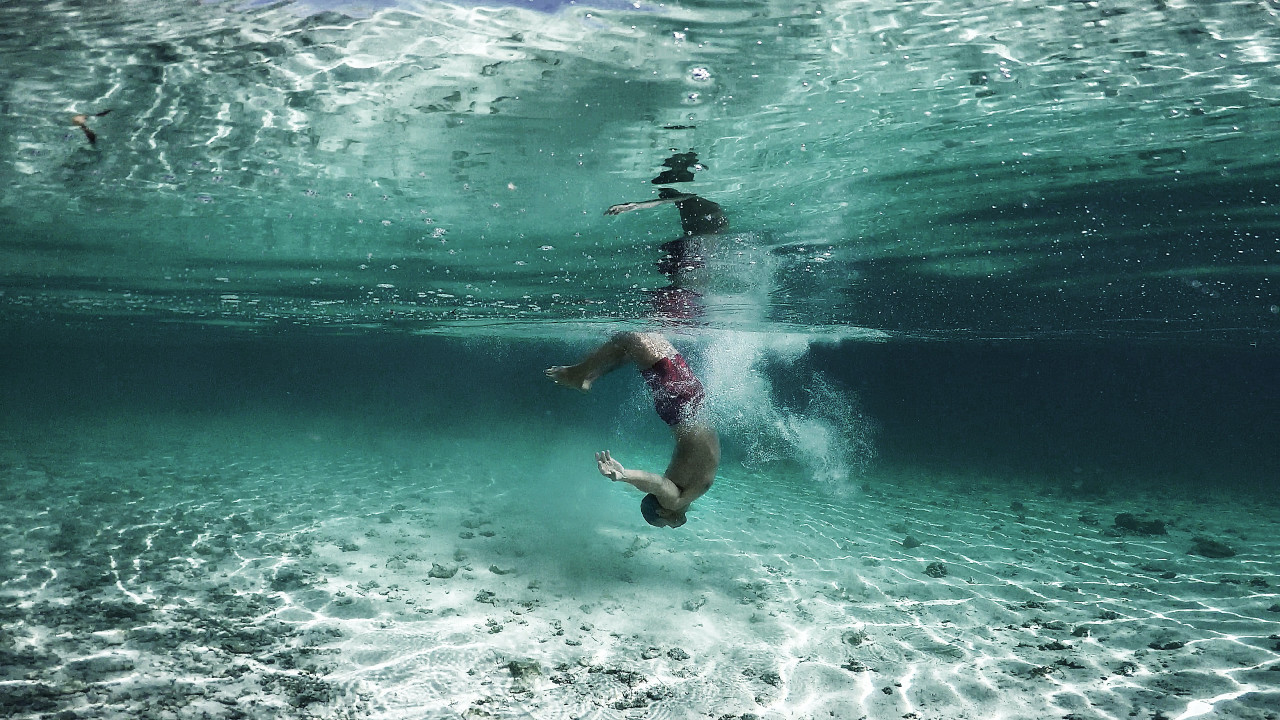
x,y
999,169
276,439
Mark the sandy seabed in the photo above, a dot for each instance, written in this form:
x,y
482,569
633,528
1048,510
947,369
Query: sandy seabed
x,y
174,568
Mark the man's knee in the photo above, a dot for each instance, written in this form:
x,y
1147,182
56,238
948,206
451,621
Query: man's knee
x,y
644,349
627,338
633,342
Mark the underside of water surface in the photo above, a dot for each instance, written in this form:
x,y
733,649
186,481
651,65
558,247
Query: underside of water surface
x,y
991,168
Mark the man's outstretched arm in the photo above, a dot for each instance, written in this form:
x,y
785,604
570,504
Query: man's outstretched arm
x,y
666,491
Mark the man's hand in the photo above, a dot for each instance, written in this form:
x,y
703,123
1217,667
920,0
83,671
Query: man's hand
x,y
621,208
609,467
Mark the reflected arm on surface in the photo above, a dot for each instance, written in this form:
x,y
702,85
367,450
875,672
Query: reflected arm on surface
x,y
645,204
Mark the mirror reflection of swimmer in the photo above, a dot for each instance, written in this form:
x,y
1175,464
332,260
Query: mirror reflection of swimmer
x,y
677,393
683,257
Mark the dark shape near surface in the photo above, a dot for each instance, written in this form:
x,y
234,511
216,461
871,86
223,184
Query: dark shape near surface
x,y
678,168
698,216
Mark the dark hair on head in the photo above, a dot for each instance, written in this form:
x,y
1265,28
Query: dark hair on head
x,y
650,507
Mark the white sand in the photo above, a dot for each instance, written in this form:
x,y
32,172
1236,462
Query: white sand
x,y
188,571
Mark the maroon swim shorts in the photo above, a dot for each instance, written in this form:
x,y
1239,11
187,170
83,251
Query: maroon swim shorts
x,y
677,393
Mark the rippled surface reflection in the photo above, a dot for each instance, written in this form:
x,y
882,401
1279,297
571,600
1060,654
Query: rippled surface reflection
x,y
976,168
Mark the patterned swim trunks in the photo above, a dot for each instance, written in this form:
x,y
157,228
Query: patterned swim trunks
x,y
677,393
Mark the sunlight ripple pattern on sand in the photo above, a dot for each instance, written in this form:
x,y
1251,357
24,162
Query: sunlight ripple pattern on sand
x,y
415,584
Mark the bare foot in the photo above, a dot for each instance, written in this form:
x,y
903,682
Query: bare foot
x,y
570,376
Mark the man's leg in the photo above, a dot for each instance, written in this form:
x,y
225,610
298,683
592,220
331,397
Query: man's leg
x,y
642,349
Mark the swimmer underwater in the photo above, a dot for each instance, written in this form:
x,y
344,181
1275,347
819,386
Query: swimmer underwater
x,y
678,398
